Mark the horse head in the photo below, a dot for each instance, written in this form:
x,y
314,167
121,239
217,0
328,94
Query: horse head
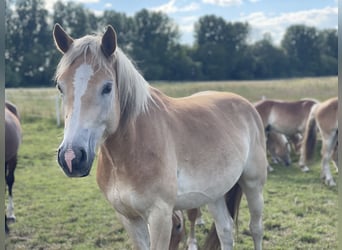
x,y
88,88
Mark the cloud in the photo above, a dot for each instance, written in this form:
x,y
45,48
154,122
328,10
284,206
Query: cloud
x,y
276,25
108,5
170,7
50,3
223,3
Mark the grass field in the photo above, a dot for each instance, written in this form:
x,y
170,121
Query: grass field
x,y
56,212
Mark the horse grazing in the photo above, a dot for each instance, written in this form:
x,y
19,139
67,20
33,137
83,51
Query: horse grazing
x,y
157,154
286,117
179,231
279,148
324,117
12,143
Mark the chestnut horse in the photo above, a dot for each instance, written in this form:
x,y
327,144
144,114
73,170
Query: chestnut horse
x,y
157,154
12,143
286,117
324,117
279,148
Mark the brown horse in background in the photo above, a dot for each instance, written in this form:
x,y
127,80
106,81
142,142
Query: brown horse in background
x,y
12,142
286,117
324,117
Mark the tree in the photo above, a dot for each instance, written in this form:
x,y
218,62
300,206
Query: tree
x,y
76,19
180,65
123,25
26,41
301,44
218,46
329,52
155,36
270,61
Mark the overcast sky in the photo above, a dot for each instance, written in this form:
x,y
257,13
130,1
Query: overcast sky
x,y
264,16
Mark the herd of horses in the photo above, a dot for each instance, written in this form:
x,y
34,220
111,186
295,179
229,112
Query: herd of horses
x,y
157,153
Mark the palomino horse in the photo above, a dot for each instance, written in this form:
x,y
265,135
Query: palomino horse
x,y
324,117
12,142
279,148
179,231
286,117
157,154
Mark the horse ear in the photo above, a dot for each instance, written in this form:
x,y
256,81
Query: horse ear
x,y
108,43
62,40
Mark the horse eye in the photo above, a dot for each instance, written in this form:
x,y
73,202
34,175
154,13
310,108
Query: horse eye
x,y
107,88
59,88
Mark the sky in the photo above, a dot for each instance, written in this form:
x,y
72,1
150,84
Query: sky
x,y
264,16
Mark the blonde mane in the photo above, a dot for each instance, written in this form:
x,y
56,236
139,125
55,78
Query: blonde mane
x,y
134,94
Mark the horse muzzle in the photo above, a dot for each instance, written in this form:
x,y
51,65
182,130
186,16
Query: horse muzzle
x,y
75,161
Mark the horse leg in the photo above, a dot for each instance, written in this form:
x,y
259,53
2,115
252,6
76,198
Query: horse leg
x,y
192,216
137,231
10,167
223,222
160,226
199,220
335,157
255,205
252,182
6,226
328,148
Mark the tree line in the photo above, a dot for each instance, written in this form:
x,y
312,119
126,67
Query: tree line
x,y
220,51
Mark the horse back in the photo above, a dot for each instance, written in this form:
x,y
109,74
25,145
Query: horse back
x,y
214,115
288,117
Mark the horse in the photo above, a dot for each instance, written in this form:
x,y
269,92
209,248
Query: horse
x,y
12,143
279,148
156,153
323,117
286,117
179,230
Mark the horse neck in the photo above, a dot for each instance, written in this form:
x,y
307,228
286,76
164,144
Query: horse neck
x,y
133,135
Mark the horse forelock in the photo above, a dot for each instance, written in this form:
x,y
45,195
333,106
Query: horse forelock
x,y
133,89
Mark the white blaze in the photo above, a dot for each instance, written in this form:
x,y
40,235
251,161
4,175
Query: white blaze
x,y
81,79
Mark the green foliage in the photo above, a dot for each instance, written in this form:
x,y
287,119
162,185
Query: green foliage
x,y
152,39
56,212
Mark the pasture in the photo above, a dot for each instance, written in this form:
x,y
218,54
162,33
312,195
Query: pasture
x,y
56,212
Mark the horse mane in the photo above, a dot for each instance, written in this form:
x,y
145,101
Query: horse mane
x,y
134,92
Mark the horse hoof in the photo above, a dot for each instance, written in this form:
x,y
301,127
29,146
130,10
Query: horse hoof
x,y
330,182
304,169
270,169
192,245
199,221
11,219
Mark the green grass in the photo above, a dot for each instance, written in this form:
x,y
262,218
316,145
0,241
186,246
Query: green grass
x,y
56,212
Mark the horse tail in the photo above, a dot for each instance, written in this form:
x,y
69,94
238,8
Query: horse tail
x,y
310,136
233,199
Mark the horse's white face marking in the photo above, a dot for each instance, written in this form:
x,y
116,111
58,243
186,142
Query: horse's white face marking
x,y
81,81
91,112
